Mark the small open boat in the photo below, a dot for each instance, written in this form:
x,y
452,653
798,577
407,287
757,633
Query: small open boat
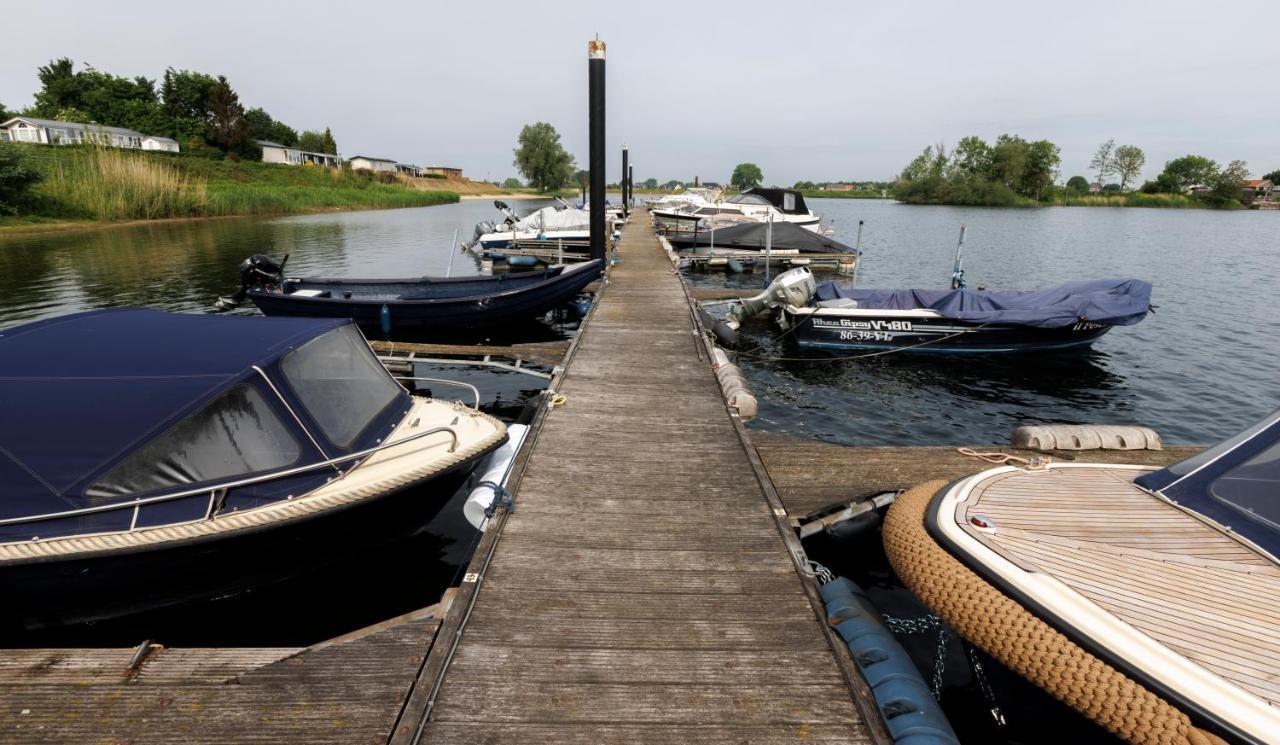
x,y
752,238
419,304
1069,315
1170,577
150,458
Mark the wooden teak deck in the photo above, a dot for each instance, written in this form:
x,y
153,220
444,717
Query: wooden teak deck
x,y
645,589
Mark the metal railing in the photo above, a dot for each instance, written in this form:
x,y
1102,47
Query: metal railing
x,y
218,490
474,390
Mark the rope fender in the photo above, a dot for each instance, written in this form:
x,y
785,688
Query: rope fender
x,y
1021,641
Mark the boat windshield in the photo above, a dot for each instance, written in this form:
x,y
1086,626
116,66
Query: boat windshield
x,y
1252,486
748,199
237,434
341,383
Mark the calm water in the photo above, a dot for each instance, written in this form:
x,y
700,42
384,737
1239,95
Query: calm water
x,y
1200,368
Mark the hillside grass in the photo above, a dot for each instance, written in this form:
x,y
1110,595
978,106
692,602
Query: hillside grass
x,y
1139,199
108,184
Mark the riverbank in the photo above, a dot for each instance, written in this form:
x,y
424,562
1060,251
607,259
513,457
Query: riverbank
x,y
102,186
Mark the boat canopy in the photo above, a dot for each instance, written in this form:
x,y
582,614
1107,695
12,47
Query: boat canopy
x,y
1115,302
751,237
550,218
789,201
1235,483
109,407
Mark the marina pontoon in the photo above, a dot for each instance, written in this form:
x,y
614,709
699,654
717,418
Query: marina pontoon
x,y
150,458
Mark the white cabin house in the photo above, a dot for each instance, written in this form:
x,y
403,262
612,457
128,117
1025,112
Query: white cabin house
x,y
51,132
409,169
160,144
274,152
363,162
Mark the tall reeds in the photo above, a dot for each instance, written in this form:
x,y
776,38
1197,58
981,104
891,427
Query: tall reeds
x,y
106,183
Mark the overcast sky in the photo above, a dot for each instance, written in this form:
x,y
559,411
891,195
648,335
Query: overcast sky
x,y
817,91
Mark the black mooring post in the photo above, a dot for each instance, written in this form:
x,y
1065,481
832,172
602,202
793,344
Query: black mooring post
x,y
626,188
595,64
631,186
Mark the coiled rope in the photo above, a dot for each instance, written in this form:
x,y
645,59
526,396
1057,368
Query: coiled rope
x,y
1023,642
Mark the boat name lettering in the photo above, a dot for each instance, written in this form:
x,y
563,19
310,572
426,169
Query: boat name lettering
x,y
848,323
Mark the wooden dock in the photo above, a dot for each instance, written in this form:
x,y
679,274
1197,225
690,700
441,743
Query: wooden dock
x,y
647,587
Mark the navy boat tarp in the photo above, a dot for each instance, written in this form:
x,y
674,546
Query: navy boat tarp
x,y
106,407
1235,483
1114,302
751,236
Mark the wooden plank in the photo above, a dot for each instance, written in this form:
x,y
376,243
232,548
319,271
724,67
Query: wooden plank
x,y
811,475
548,353
643,584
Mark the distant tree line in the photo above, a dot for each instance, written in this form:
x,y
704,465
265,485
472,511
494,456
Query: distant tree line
x,y
1192,175
1007,172
201,111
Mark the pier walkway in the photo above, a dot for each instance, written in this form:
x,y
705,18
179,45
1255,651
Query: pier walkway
x,y
644,589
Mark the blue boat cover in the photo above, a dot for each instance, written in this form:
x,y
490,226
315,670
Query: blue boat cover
x,y
1116,302
80,393
1235,483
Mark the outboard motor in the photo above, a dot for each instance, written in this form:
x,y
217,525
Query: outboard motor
x,y
258,270
793,287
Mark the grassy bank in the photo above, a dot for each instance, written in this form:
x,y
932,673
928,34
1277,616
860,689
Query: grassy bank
x,y
824,194
1138,199
106,184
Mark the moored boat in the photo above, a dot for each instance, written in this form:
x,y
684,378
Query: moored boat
x,y
1157,591
1072,314
149,458
423,304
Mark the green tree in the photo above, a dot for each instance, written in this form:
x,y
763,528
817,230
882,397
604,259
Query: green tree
x,y
1009,157
1229,182
185,99
1128,161
972,156
228,130
17,176
94,96
512,183
651,183
1103,160
541,158
746,176
263,127
311,141
1183,173
1273,177
5,114
1040,169
1078,184
329,145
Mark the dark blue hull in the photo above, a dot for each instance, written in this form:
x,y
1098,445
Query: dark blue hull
x,y
867,333
432,304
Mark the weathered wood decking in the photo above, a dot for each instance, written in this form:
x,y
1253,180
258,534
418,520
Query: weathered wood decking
x,y
643,591
345,690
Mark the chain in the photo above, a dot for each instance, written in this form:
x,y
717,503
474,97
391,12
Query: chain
x,y
908,626
984,685
940,661
823,574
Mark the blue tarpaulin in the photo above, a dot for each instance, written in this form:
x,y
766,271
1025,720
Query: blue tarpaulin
x,y
79,394
1116,302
